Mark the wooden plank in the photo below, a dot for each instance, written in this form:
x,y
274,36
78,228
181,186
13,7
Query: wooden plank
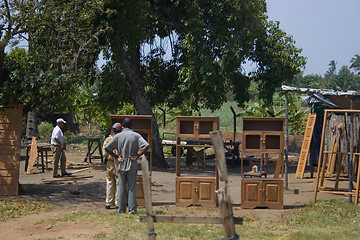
x,y
189,219
225,205
66,179
148,198
6,181
216,139
333,154
11,164
33,155
9,134
304,152
83,170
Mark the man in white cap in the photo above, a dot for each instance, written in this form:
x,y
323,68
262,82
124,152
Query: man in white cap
x,y
58,147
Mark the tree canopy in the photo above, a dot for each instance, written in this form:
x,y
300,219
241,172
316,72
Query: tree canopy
x,y
185,54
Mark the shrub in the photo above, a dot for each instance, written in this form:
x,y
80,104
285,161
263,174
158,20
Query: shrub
x,y
45,129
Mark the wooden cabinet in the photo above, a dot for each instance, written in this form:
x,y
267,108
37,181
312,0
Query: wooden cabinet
x,y
196,127
261,192
10,144
195,131
196,191
263,135
141,124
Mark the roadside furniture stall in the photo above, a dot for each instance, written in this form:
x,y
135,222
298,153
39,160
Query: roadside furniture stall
x,y
10,143
339,154
263,136
141,124
192,133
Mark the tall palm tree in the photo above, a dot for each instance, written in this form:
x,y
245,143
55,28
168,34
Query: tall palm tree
x,y
355,63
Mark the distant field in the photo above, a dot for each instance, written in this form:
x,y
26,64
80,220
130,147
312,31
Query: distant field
x,y
226,116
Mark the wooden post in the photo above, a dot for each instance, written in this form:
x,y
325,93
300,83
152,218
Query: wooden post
x,y
222,194
351,148
148,200
286,140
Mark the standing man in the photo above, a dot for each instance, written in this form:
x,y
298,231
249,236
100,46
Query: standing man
x,y
58,147
111,171
127,144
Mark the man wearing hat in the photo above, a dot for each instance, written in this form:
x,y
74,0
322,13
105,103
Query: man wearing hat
x,y
58,147
111,170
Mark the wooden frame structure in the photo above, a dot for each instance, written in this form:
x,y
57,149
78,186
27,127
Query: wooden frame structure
x,y
264,135
324,159
195,132
227,219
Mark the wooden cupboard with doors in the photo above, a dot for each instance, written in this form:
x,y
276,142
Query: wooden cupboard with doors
x,y
264,135
193,133
262,192
141,124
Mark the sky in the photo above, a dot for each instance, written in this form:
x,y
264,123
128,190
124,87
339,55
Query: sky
x,y
326,30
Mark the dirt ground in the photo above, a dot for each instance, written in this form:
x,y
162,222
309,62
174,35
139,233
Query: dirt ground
x,y
92,196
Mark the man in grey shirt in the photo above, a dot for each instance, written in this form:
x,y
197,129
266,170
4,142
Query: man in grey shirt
x,y
127,143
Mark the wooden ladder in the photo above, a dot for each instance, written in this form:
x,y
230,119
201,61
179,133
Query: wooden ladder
x,y
305,146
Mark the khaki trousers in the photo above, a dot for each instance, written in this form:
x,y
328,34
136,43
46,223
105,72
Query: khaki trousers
x,y
111,183
59,155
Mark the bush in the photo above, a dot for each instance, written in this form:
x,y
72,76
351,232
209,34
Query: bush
x,y
45,130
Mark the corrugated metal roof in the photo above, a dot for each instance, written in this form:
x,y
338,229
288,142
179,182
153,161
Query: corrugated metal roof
x,y
332,98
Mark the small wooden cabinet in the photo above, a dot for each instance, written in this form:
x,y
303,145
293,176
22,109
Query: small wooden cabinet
x,y
263,135
261,192
196,191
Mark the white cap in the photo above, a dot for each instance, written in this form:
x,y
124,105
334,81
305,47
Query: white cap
x,y
60,120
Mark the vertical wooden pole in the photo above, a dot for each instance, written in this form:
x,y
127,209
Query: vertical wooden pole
x,y
351,148
286,140
222,194
148,199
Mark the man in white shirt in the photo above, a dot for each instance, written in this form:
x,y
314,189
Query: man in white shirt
x,y
58,147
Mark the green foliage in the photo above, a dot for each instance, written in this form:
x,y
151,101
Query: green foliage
x,y
355,63
45,130
209,40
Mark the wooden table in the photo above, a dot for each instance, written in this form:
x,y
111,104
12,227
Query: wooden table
x,y
40,150
90,153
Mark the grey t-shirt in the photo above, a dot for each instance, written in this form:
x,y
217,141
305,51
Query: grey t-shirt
x,y
126,143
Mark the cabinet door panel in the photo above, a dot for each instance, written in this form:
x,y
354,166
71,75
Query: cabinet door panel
x,y
206,191
272,142
252,142
250,193
186,190
273,194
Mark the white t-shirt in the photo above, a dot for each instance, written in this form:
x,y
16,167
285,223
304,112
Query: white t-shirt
x,y
57,133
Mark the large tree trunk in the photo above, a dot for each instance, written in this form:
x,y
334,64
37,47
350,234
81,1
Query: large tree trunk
x,y
131,68
32,125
